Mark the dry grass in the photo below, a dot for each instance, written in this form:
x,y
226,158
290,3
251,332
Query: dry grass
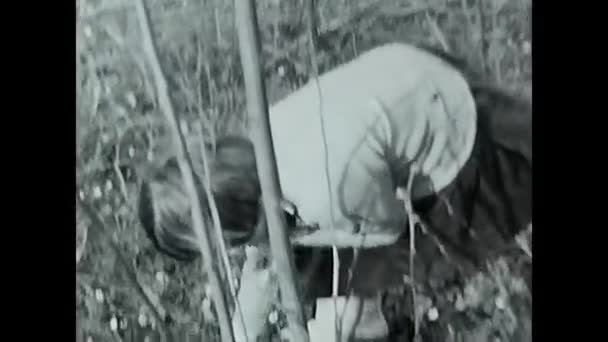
x,y
119,130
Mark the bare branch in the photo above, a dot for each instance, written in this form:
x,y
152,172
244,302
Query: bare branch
x,y
484,43
216,221
259,132
406,196
185,166
121,180
437,31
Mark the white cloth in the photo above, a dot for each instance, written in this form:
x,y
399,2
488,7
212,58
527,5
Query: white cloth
x,y
393,103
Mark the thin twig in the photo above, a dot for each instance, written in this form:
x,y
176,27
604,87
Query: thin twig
x,y
185,166
218,231
260,135
466,25
522,241
82,232
406,197
484,43
95,85
211,116
497,60
121,180
312,41
437,31
354,41
207,175
216,18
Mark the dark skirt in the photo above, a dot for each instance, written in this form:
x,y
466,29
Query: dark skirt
x,y
474,219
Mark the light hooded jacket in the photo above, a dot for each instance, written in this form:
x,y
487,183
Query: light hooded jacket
x,y
392,111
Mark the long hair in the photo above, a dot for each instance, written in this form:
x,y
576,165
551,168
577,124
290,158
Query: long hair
x,y
491,199
165,211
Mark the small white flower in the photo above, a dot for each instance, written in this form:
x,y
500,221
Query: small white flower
x,y
131,151
526,47
433,314
108,185
87,31
162,278
142,319
113,323
281,71
401,193
97,192
131,99
99,295
500,303
81,195
273,317
459,305
471,295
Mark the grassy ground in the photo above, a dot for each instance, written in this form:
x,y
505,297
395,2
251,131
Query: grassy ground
x,y
118,124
